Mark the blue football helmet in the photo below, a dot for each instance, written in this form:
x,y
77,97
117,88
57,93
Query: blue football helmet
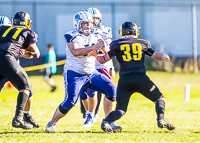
x,y
4,20
95,14
80,18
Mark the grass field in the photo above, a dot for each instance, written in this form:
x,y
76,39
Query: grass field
x,y
139,123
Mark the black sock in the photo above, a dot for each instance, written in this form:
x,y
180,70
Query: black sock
x,y
160,109
113,116
82,108
26,114
98,103
21,102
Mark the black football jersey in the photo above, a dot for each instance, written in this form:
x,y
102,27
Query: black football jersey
x,y
130,54
12,39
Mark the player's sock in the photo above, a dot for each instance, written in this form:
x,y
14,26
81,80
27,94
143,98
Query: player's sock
x,y
160,109
97,110
113,116
26,113
21,102
83,111
91,113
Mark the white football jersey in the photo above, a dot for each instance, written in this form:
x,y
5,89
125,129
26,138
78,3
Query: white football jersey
x,y
106,33
80,64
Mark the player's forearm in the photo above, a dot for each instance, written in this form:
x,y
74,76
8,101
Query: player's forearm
x,y
81,51
160,56
27,55
30,55
76,50
103,59
33,50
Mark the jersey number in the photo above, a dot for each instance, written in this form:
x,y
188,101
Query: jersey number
x,y
136,50
19,29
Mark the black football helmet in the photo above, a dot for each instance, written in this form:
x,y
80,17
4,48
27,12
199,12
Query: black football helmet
x,y
129,29
22,19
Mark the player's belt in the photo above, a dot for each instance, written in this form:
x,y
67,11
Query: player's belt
x,y
3,53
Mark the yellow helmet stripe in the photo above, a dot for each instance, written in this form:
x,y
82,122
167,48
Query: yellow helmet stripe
x,y
27,23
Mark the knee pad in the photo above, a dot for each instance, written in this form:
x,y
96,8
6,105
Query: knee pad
x,y
62,110
111,98
31,94
83,96
162,97
92,93
122,112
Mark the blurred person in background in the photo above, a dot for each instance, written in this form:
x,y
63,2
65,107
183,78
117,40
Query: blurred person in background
x,y
130,53
15,41
51,69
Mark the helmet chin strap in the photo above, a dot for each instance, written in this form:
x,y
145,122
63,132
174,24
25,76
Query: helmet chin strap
x,y
129,36
86,31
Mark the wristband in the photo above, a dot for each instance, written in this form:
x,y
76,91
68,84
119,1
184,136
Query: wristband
x,y
33,53
164,56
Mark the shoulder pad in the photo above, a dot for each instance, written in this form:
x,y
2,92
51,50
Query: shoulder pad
x,y
107,32
146,44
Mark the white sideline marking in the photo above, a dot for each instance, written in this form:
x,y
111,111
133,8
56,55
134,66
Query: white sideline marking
x,y
182,132
189,127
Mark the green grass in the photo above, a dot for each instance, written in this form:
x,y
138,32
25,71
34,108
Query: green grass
x,y
139,123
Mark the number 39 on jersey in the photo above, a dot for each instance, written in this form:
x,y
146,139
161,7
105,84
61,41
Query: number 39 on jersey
x,y
133,51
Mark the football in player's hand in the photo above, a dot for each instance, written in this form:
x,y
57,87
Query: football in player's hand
x,y
167,59
93,53
22,52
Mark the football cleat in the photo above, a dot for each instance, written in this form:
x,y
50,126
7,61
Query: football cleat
x,y
29,119
163,124
106,127
89,121
85,115
94,120
115,127
51,127
18,122
53,88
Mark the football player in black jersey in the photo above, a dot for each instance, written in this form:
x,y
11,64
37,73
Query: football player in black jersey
x,y
4,20
15,41
130,53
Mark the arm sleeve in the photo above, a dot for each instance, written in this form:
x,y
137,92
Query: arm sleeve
x,y
68,37
33,37
111,54
149,52
147,48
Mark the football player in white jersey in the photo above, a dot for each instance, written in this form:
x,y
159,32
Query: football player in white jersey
x,y
79,69
91,99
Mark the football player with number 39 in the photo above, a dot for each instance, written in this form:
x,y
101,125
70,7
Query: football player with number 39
x,y
130,53
15,41
79,69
